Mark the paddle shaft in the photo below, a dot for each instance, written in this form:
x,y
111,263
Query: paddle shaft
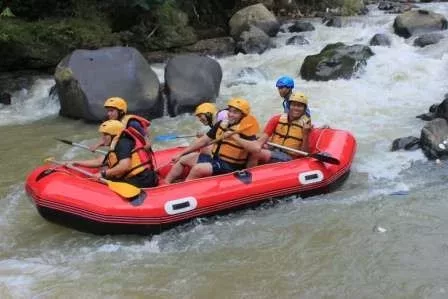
x,y
171,137
81,146
288,148
87,148
80,170
319,156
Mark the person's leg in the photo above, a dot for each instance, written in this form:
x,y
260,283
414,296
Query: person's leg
x,y
200,170
279,156
178,168
206,150
145,179
259,158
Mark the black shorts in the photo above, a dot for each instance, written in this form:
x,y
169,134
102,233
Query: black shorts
x,y
279,156
219,166
145,179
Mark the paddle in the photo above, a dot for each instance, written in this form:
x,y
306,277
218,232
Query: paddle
x,y
319,156
80,145
171,137
123,189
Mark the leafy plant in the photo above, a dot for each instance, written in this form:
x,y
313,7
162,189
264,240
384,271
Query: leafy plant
x,y
7,13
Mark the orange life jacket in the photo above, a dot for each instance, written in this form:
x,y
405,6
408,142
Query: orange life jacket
x,y
288,133
229,150
143,121
140,158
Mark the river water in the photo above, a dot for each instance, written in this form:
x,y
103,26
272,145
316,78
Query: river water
x,y
382,235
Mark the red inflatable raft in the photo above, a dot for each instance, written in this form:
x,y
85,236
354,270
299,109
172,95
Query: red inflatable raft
x,y
72,199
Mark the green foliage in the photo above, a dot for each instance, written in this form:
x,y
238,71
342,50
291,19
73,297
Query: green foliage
x,y
38,9
65,35
351,7
146,4
7,13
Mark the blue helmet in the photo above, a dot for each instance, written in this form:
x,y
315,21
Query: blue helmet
x,y
285,81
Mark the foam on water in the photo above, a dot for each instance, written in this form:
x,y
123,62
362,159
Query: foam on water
x,y
30,105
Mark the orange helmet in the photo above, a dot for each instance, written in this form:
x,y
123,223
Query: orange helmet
x,y
117,103
240,104
111,127
299,98
205,108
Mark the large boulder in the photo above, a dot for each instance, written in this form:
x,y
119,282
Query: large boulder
x,y
257,15
332,21
86,78
428,39
253,41
301,26
409,143
335,61
436,111
5,98
297,40
418,21
434,139
380,39
394,7
190,80
268,3
218,47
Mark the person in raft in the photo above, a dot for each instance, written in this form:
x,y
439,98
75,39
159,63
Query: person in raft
x,y
116,109
285,86
208,114
288,129
228,154
127,160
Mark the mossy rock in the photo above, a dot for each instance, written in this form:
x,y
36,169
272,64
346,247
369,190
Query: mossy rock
x,y
335,61
42,44
63,74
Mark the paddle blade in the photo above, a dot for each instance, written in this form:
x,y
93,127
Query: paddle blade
x,y
165,137
50,160
325,158
123,189
64,141
171,137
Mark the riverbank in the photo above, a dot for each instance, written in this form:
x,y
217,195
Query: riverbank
x,y
38,39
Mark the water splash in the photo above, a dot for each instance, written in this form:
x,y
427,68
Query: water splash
x,y
28,105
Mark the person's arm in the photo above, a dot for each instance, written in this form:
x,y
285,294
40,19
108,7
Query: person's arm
x,y
269,129
252,146
92,163
197,144
118,170
263,139
305,136
123,151
200,142
94,147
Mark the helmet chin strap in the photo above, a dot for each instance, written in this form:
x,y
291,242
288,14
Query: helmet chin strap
x,y
209,118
